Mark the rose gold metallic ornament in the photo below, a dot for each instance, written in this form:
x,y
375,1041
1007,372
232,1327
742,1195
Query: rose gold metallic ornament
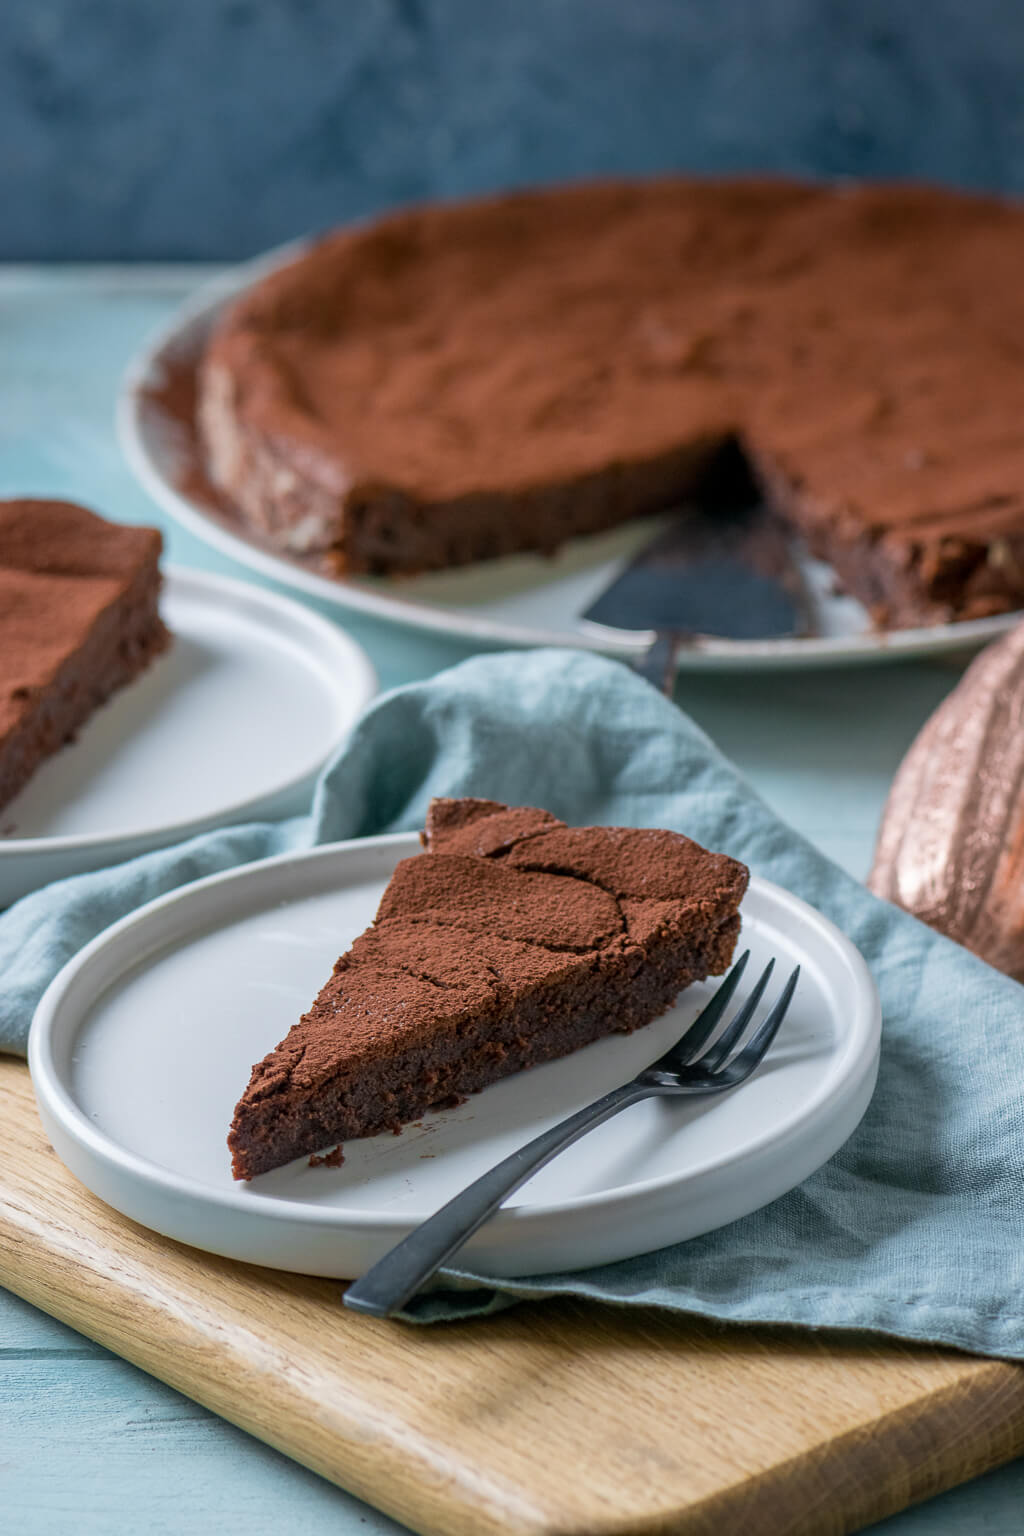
x,y
951,844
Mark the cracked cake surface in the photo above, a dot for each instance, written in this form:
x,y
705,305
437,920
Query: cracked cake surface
x,y
512,940
456,382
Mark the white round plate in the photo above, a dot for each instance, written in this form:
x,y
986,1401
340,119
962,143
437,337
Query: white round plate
x,y
520,600
144,1042
232,723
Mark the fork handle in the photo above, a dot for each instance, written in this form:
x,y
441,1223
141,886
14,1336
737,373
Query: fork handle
x,y
397,1277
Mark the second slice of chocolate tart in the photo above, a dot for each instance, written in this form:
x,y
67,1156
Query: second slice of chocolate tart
x,y
79,619
515,939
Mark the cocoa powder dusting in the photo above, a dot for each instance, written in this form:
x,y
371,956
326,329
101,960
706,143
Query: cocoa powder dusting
x,y
534,940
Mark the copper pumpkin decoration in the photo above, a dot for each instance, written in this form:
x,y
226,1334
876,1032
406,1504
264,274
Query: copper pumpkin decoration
x,y
951,844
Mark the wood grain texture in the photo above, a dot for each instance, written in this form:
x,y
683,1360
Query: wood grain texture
x,y
558,1418
68,333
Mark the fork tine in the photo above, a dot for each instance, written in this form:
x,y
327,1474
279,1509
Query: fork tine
x,y
716,1055
757,1047
704,1025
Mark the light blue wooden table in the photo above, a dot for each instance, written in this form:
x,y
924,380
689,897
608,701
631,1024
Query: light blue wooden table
x,y
90,1445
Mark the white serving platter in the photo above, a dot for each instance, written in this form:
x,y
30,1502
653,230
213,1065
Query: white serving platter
x,y
143,1043
520,600
233,723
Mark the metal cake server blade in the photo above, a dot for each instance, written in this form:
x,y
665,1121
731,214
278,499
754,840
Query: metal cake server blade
x,y
728,571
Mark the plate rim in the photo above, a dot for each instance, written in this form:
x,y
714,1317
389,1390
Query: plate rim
x,y
704,654
353,663
862,1047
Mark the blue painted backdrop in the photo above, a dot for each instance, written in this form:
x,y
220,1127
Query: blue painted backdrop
x,y
215,128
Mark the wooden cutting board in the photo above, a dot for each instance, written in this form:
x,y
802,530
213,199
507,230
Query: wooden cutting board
x,y
554,1418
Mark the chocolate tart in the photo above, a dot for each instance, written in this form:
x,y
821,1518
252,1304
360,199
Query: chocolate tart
x,y
78,619
513,940
469,380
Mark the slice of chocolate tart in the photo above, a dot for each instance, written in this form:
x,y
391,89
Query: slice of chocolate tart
x,y
514,939
79,618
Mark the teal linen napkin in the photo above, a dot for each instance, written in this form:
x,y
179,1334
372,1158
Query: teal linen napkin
x,y
915,1228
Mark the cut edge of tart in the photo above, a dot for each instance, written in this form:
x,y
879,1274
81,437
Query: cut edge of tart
x,y
514,939
453,383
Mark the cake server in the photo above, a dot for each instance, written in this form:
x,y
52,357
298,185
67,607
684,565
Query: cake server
x,y
731,572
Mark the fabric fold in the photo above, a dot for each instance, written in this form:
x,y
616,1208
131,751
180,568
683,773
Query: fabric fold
x,y
913,1229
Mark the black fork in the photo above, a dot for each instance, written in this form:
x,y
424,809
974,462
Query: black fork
x,y
691,1067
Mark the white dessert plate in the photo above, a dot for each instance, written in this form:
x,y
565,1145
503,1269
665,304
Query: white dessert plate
x,y
232,723
519,600
143,1043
